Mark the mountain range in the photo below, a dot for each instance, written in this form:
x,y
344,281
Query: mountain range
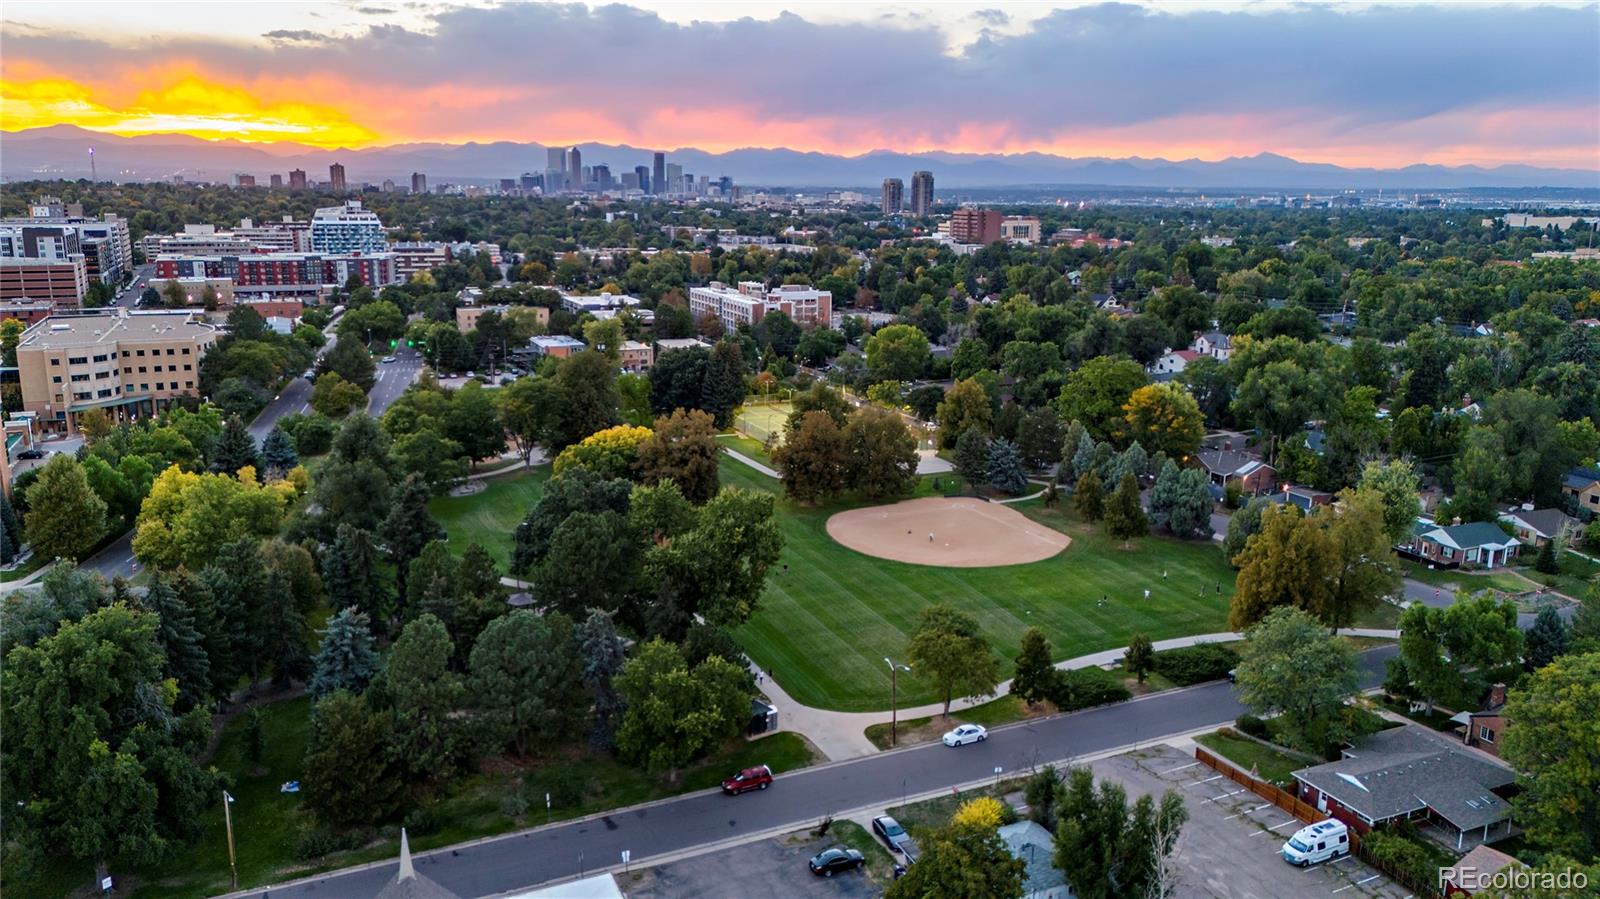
x,y
62,151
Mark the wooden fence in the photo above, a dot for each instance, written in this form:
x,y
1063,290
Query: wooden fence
x,y
1271,792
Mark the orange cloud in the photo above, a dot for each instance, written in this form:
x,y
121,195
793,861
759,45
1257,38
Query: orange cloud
x,y
187,104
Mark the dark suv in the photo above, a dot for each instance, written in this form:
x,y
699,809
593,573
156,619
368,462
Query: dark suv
x,y
755,778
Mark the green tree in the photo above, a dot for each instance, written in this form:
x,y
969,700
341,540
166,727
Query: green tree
x,y
345,658
1243,525
961,861
10,531
674,713
474,423
350,573
1190,513
577,490
1140,657
949,654
966,406
350,360
1547,640
1395,481
429,738
813,459
1480,475
1088,496
881,452
736,528
897,353
92,742
236,449
350,776
609,570
425,454
723,388
1452,655
409,527
1003,468
586,387
1039,438
1545,561
65,519
1034,668
1362,568
525,675
1107,849
819,397
683,448
1281,565
278,453
1125,518
1290,666
972,456
185,657
1164,495
335,397
601,655
529,410
1097,391
1553,742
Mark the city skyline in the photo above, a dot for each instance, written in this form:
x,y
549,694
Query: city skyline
x,y
1368,85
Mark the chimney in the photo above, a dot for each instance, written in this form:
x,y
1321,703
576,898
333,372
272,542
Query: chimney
x,y
1497,696
1455,521
1227,445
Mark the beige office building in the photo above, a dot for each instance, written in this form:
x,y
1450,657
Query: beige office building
x,y
131,364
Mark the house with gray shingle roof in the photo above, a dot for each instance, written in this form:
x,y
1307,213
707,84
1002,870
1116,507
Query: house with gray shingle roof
x,y
1583,485
1477,544
1536,527
1407,774
1033,844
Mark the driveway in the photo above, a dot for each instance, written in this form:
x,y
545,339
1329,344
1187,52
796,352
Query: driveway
x,y
769,869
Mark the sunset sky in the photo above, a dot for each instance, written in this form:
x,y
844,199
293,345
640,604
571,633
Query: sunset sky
x,y
1352,84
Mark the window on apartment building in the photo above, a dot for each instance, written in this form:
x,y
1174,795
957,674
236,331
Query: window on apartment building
x,y
77,360
186,351
80,377
1485,734
170,351
102,394
55,379
100,358
141,369
188,384
55,360
138,352
145,387
102,375
188,367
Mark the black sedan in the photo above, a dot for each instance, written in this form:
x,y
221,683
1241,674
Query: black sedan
x,y
32,453
838,858
891,832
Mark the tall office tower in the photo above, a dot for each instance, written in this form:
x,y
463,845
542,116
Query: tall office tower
x,y
277,182
602,176
388,186
893,196
922,193
643,174
297,179
529,181
336,178
419,183
574,169
555,158
674,183
658,176
725,184
688,182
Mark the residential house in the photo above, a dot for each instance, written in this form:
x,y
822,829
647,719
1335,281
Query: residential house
x,y
1483,728
1215,344
636,356
1475,872
1408,774
1536,527
1033,844
1477,544
1583,485
1225,465
1303,498
1172,362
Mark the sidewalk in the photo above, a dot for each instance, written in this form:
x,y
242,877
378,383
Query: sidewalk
x,y
766,470
842,735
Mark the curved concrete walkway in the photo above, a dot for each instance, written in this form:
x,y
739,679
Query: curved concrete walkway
x,y
842,735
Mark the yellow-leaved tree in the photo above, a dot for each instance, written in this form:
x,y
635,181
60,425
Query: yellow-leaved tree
x,y
609,453
187,517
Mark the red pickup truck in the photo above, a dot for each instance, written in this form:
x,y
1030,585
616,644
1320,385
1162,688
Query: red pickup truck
x,y
755,778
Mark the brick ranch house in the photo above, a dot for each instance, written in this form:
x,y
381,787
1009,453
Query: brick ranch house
x,y
1477,544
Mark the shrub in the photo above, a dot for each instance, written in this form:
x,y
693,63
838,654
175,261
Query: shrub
x,y
1080,688
1195,664
514,805
1403,851
1250,724
423,820
314,843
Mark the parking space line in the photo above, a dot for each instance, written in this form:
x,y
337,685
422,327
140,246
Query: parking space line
x,y
1347,886
1182,768
1369,879
1206,781
1343,858
1248,811
1224,796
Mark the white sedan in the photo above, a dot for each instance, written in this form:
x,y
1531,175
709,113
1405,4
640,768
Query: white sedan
x,y
966,733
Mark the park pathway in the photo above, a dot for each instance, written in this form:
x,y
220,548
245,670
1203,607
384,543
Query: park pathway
x,y
842,735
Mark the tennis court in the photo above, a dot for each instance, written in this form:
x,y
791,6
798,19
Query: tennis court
x,y
763,421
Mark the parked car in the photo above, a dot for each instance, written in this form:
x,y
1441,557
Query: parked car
x,y
835,859
757,778
1232,674
310,375
31,453
891,831
1317,843
387,359
966,733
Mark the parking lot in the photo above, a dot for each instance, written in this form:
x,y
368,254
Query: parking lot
x,y
1229,847
768,869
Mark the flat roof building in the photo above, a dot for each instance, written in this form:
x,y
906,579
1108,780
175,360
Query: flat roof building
x,y
62,282
751,300
347,229
559,346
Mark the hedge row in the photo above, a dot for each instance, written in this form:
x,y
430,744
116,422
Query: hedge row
x,y
1195,664
1080,688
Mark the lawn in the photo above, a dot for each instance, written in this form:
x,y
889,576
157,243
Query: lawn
x,y
1576,577
267,823
1454,579
34,563
747,446
489,518
1271,764
830,615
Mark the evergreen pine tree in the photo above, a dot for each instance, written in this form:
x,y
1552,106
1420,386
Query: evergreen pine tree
x,y
1003,467
350,575
1035,670
278,453
186,656
1124,518
723,387
346,659
284,633
1164,495
1190,513
1083,454
600,651
1546,561
1067,471
409,527
1547,639
10,531
972,456
1089,497
235,448
431,587
1133,460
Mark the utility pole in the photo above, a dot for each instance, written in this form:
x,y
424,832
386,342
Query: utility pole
x,y
894,700
227,817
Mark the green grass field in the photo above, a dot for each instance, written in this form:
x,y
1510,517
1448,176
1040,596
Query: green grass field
x,y
490,518
1271,764
826,622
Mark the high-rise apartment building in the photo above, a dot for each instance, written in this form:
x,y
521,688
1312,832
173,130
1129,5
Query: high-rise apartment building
x,y
419,183
297,179
574,169
336,178
277,182
658,174
893,199
969,224
244,180
922,193
347,229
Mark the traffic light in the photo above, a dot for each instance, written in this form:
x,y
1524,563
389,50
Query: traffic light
x,y
411,343
393,344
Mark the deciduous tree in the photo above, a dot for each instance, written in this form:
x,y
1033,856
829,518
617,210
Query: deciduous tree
x,y
1164,418
882,454
1107,849
1553,742
948,652
65,518
813,459
966,406
674,713
1289,665
1140,656
683,448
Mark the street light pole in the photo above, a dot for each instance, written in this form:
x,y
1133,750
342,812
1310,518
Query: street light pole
x,y
894,700
227,817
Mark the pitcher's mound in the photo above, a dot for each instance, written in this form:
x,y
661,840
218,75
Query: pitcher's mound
x,y
966,533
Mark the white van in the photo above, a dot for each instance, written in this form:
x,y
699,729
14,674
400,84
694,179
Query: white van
x,y
1317,843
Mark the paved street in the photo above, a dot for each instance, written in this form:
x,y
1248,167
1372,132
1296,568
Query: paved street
x,y
531,857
